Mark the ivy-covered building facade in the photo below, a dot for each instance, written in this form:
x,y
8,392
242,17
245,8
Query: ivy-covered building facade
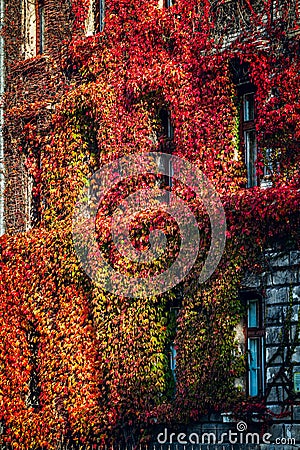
x,y
85,83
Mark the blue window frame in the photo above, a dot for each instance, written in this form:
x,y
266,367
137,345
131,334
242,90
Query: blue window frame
x,y
253,313
173,354
255,346
254,366
100,15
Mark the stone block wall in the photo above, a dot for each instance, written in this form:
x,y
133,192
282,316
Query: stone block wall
x,y
279,286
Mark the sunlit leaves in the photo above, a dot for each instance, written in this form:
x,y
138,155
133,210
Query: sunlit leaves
x,y
102,360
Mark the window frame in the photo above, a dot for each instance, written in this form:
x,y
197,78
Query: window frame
x,y
173,354
175,310
247,127
255,333
99,15
29,46
40,27
166,139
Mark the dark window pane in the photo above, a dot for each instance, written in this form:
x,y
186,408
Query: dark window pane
x,y
248,107
41,14
250,157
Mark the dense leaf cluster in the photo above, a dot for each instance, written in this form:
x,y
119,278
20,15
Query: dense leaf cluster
x,y
100,362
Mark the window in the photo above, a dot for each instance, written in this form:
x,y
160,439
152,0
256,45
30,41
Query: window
x,y
167,127
100,13
29,30
249,134
95,20
40,28
165,3
174,311
253,313
249,140
246,102
271,167
248,106
173,360
268,170
166,143
254,366
255,345
250,157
